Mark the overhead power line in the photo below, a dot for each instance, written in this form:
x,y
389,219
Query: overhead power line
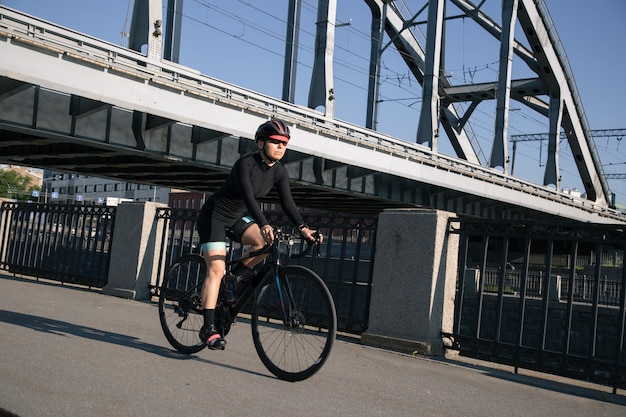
x,y
603,133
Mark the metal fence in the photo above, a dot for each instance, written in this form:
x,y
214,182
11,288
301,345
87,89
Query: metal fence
x,y
548,297
345,261
609,287
67,243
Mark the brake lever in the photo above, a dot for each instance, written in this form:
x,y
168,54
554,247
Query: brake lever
x,y
307,249
318,241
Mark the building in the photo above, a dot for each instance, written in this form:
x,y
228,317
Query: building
x,y
179,199
66,187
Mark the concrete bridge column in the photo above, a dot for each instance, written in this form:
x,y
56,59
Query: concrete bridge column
x,y
414,281
134,250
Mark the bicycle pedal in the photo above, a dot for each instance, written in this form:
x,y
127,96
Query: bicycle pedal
x,y
221,346
216,347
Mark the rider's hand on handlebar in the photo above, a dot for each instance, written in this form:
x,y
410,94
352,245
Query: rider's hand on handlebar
x,y
311,235
267,232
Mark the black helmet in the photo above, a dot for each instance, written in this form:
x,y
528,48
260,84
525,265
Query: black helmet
x,y
272,128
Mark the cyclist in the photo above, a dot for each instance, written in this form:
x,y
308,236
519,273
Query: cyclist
x,y
234,212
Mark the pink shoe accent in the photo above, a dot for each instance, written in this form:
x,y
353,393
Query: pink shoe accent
x,y
213,337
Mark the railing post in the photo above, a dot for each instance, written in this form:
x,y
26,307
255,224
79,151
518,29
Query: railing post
x,y
414,280
4,230
134,250
555,288
471,282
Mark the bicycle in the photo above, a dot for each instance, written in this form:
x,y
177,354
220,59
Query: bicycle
x,y
293,318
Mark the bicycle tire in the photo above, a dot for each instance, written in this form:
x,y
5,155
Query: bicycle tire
x,y
294,350
180,306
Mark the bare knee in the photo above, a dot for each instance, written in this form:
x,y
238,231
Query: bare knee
x,y
216,264
257,244
216,271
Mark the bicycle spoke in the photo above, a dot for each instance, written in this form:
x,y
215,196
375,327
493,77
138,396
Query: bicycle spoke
x,y
294,324
180,309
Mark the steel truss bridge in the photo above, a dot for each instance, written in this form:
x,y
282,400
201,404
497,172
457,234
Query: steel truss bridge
x,y
70,102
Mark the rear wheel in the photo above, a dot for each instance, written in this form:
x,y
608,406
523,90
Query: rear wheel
x,y
180,304
293,323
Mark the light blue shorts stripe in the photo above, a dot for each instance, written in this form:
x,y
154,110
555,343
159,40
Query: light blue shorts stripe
x,y
213,246
247,219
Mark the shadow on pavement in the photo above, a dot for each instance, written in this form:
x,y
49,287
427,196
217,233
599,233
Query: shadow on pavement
x,y
61,328
540,380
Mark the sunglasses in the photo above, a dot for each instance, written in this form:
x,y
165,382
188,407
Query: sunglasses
x,y
277,141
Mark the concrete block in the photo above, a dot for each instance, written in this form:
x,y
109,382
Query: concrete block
x,y
414,280
134,250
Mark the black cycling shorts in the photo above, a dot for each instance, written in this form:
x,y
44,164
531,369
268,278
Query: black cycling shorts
x,y
215,228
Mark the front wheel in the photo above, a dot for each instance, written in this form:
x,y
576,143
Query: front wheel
x,y
293,323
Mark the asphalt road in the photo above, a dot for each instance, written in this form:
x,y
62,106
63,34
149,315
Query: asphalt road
x,y
71,352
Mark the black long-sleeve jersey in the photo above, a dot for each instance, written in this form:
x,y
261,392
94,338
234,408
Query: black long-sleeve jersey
x,y
249,180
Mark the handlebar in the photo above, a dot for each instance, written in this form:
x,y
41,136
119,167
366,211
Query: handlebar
x,y
309,245
279,236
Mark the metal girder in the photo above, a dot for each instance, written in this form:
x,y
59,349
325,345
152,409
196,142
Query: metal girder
x,y
83,107
491,26
556,81
322,91
201,134
428,126
557,76
9,87
500,149
487,91
546,58
413,54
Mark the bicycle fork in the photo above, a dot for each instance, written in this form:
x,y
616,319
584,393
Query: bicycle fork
x,y
285,299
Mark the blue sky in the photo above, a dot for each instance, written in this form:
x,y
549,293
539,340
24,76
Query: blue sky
x,y
242,42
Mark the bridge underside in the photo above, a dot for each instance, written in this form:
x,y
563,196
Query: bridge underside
x,y
52,130
47,129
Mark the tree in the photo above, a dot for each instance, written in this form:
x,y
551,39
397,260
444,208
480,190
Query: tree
x,y
15,185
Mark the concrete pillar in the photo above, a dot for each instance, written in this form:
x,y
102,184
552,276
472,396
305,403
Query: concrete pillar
x,y
134,250
414,281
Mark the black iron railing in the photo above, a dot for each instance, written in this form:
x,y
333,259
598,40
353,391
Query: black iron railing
x,y
67,243
345,258
519,302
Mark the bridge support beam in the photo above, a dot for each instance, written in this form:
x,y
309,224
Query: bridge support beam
x,y
135,243
322,91
413,283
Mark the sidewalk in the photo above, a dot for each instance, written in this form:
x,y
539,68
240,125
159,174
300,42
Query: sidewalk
x,y
72,352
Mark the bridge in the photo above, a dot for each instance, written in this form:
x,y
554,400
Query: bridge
x,y
71,102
